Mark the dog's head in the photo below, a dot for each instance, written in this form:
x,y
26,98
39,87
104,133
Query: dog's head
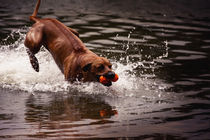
x,y
98,67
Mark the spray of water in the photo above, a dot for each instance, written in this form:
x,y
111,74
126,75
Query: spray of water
x,y
16,73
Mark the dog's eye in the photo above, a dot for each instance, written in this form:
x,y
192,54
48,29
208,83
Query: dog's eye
x,y
101,67
110,66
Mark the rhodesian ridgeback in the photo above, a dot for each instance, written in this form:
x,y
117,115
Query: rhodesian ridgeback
x,y
73,58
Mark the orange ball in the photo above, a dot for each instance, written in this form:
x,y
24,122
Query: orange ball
x,y
103,80
116,77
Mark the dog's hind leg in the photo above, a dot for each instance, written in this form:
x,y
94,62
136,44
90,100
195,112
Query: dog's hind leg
x,y
33,42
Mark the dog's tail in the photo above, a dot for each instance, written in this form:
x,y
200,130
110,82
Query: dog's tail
x,y
33,16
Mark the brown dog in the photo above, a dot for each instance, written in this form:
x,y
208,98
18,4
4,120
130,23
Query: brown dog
x,y
75,61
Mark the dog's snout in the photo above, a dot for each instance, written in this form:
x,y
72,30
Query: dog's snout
x,y
110,75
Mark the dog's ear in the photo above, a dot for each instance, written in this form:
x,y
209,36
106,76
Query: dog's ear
x,y
87,67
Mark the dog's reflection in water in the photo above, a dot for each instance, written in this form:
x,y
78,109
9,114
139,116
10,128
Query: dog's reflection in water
x,y
58,111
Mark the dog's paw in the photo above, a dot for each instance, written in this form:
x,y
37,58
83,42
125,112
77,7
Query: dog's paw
x,y
35,64
33,60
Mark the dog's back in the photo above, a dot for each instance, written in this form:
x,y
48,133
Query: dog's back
x,y
60,40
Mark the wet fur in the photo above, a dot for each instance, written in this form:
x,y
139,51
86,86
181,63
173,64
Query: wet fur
x,y
75,61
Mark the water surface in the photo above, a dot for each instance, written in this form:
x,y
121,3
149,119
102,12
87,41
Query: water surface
x,y
161,51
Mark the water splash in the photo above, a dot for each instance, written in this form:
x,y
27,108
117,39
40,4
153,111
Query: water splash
x,y
16,73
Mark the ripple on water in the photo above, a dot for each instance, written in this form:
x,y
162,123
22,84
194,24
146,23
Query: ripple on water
x,y
189,52
205,47
190,57
178,42
129,39
160,25
90,34
103,42
112,30
185,83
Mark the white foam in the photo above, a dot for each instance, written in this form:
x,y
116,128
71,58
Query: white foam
x,y
16,73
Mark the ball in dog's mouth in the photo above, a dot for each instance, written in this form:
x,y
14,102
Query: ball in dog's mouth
x,y
108,82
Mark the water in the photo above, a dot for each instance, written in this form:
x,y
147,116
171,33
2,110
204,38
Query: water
x,y
160,51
